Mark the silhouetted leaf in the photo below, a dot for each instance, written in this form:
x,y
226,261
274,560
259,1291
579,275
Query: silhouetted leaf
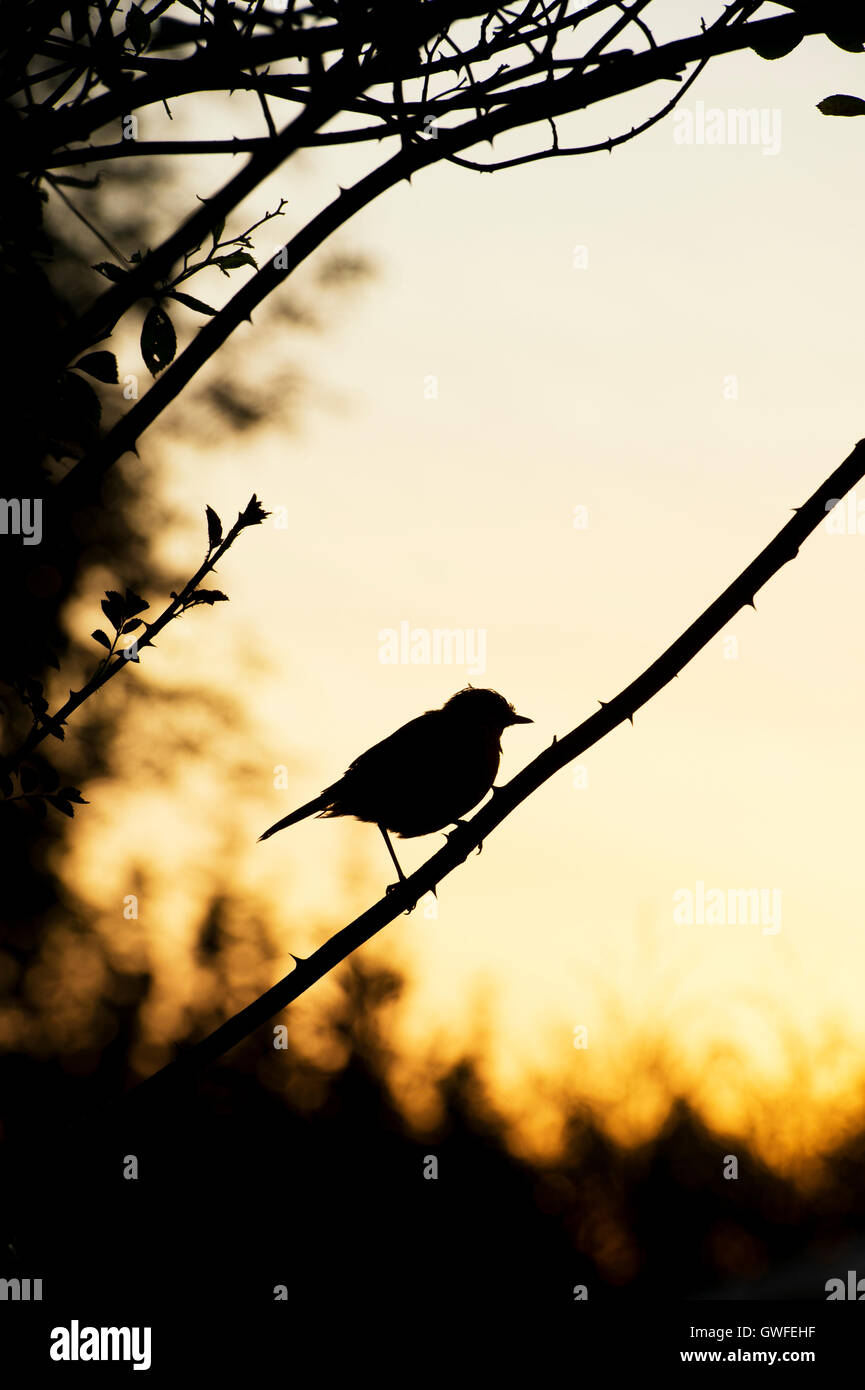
x,y
112,607
253,513
133,603
776,48
158,341
28,777
60,804
214,528
50,779
33,697
132,625
76,414
850,39
138,27
208,596
101,365
6,785
99,636
234,261
71,182
191,302
73,794
840,105
217,232
110,271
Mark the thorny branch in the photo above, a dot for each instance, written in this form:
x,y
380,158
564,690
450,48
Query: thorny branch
x,y
416,67
529,105
122,612
472,833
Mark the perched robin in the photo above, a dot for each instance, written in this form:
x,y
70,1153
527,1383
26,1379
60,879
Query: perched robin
x,y
426,775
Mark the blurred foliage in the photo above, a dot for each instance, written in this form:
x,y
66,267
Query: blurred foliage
x,y
280,1168
283,1168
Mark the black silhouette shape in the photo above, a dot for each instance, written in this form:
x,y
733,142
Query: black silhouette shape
x,y
424,776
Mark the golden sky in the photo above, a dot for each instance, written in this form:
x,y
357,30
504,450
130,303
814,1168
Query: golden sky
x,y
565,379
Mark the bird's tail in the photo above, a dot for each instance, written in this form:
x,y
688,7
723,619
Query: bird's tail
x,y
300,814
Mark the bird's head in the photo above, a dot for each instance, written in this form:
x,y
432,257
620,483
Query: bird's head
x,y
485,708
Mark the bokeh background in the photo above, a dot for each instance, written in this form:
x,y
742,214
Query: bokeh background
x,y
667,338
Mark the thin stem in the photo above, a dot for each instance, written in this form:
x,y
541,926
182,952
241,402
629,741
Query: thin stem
x,y
535,104
107,668
118,255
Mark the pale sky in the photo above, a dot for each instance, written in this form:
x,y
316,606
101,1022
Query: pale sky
x,y
605,387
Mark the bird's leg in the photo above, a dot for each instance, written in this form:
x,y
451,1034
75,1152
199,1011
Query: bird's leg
x,y
461,828
392,887
390,851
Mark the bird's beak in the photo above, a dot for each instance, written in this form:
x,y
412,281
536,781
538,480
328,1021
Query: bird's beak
x,y
521,719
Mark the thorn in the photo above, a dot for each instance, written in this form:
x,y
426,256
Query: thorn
x,y
603,703
751,604
300,960
555,739
631,720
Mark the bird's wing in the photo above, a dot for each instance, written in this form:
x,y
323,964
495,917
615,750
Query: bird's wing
x,y
409,744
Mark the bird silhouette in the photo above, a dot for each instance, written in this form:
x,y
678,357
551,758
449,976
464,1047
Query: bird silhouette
x,y
424,776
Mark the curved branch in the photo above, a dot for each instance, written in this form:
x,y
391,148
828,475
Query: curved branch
x,y
506,799
557,152
98,321
539,103
129,429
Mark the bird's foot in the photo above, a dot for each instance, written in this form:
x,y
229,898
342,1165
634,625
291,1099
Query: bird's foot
x,y
394,888
461,828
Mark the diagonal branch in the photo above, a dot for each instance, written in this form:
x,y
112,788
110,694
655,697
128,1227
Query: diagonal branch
x,y
188,596
98,321
506,799
145,149
556,151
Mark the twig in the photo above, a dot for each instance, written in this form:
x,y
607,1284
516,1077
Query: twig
x,y
52,724
535,104
118,255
